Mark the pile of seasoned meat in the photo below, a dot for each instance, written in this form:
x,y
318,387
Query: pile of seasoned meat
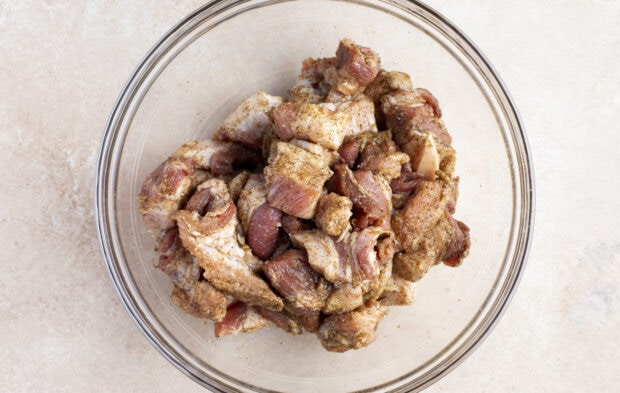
x,y
314,213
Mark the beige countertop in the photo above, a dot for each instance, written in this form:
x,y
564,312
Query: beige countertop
x,y
62,65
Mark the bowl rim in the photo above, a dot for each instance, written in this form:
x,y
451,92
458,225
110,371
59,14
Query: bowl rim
x,y
156,57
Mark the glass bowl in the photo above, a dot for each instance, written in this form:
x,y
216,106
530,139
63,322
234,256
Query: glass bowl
x,y
225,51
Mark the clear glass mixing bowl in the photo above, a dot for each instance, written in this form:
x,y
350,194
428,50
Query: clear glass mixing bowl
x,y
223,52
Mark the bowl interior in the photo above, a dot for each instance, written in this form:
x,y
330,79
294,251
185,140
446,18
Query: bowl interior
x,y
201,71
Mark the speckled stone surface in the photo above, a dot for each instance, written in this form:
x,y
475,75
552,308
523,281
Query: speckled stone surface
x,y
62,65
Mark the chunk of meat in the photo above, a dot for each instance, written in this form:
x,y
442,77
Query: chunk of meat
x,y
164,191
280,320
425,229
320,123
283,118
349,150
247,123
326,255
371,195
260,221
308,319
212,239
364,248
419,131
176,261
310,86
292,224
327,156
294,279
253,195
220,158
381,156
263,230
406,183
361,110
237,183
194,296
407,110
352,330
240,318
398,292
202,300
344,299
387,82
356,67
459,245
333,213
295,179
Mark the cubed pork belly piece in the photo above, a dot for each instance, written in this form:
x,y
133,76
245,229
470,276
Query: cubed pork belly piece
x,y
380,155
308,319
260,221
415,120
247,123
165,190
202,300
388,82
416,109
361,110
356,67
344,299
178,263
333,213
328,157
240,318
194,295
291,224
352,330
364,248
458,248
398,292
321,123
220,158
236,184
371,251
371,195
310,86
296,281
326,255
211,237
252,195
426,230
295,179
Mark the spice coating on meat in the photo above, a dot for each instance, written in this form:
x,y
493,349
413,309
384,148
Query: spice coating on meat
x,y
240,318
371,196
326,255
295,179
164,190
352,330
314,213
398,292
294,279
247,123
333,213
425,230
356,67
